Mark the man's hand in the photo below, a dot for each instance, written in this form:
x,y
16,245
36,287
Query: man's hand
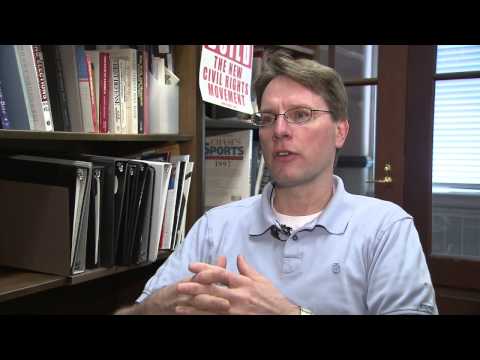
x,y
166,300
246,293
204,303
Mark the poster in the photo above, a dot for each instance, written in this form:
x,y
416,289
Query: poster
x,y
225,76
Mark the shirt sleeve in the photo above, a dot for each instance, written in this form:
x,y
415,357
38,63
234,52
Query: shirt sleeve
x,y
399,281
194,248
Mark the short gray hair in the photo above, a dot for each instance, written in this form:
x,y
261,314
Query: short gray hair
x,y
319,78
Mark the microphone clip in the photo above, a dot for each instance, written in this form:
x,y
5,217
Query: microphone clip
x,y
283,229
287,230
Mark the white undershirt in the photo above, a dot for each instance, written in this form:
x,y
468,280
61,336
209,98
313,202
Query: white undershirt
x,y
294,221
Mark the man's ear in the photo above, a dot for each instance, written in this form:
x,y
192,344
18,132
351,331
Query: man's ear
x,y
341,132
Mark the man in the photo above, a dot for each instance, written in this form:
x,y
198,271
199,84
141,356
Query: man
x,y
305,245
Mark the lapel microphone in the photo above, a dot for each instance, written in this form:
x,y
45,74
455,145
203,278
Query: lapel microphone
x,y
287,230
283,229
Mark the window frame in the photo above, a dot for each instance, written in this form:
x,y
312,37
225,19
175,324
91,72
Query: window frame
x,y
454,272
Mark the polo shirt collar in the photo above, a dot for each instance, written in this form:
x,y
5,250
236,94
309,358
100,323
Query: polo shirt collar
x,y
334,218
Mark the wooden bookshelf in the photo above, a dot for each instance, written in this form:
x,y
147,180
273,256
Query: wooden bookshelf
x,y
95,292
75,136
21,291
97,273
16,283
231,124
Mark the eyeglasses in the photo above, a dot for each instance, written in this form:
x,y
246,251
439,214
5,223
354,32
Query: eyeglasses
x,y
293,116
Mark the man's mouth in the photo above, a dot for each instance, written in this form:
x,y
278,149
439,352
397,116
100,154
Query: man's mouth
x,y
283,154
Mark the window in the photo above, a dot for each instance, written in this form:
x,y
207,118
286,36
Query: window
x,y
456,140
456,152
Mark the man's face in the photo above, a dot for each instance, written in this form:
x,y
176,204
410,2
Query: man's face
x,y
299,154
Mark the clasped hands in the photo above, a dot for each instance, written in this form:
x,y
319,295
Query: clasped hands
x,y
214,290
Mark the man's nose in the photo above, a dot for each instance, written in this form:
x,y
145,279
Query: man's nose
x,y
281,127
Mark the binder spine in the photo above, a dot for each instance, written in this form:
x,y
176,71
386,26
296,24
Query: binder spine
x,y
85,178
119,199
98,219
76,263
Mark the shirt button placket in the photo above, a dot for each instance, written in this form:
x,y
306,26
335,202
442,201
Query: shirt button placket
x,y
292,257
287,267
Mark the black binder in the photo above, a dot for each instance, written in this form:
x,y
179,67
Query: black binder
x,y
140,251
37,215
82,201
125,236
120,196
133,237
138,213
95,222
108,222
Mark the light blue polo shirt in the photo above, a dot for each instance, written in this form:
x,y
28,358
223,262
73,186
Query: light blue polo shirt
x,y
360,256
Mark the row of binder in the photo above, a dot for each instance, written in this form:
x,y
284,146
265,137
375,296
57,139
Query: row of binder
x,y
63,216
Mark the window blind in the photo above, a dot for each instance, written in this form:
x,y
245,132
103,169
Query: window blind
x,y
456,138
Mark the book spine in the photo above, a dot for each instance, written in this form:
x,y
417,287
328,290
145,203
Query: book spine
x,y
4,122
95,60
133,93
104,91
68,54
62,95
140,90
91,86
42,85
30,86
84,88
124,95
117,117
146,92
56,87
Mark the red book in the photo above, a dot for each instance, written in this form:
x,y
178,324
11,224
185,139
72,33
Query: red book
x,y
104,91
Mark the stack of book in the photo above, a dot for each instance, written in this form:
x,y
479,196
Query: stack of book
x,y
102,89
